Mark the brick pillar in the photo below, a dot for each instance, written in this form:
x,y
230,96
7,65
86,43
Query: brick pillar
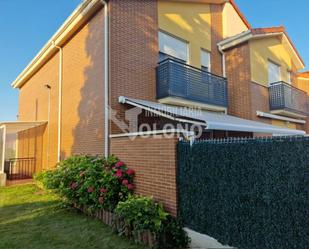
x,y
216,36
155,162
133,52
239,81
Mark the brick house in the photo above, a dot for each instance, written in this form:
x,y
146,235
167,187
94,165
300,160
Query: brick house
x,y
161,57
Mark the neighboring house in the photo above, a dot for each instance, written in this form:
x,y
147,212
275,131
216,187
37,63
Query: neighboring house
x,y
262,67
303,82
151,54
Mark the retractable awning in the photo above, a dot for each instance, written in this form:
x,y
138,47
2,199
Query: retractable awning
x,y
212,121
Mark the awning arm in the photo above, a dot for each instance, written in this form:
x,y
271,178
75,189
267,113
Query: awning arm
x,y
124,100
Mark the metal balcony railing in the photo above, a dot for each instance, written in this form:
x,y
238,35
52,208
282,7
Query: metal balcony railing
x,y
177,79
283,96
19,168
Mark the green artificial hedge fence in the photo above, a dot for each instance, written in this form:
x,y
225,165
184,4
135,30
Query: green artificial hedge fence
x,y
247,193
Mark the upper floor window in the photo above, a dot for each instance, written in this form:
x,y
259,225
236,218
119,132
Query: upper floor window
x,y
173,46
289,77
274,74
205,60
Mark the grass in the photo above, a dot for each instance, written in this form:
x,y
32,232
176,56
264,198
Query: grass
x,y
33,219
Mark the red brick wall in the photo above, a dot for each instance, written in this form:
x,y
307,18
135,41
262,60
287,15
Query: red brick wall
x,y
82,124
154,161
216,36
33,106
239,81
133,52
260,101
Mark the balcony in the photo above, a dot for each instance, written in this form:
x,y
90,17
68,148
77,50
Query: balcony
x,y
287,100
179,83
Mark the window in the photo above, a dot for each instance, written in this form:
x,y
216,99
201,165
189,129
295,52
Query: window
x,y
289,77
205,60
273,72
172,46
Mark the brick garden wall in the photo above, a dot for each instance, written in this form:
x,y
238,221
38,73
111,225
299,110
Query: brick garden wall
x,y
154,161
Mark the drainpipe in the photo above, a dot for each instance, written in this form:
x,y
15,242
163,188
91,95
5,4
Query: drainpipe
x,y
223,61
59,100
106,78
3,148
48,88
223,65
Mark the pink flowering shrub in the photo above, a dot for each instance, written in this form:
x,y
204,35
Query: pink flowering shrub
x,y
95,182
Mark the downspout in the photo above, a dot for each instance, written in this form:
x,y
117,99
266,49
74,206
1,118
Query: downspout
x,y
223,61
106,78
48,87
3,148
223,64
59,101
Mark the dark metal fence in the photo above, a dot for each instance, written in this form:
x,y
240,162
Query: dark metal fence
x,y
283,96
177,79
19,168
248,192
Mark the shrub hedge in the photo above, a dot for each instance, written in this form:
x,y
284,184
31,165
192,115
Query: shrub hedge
x,y
93,184
91,181
248,193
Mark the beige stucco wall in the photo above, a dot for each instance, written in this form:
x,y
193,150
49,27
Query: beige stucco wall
x,y
188,21
303,84
264,50
284,124
232,23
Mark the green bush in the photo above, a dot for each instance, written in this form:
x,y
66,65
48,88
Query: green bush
x,y
106,183
142,214
172,235
94,182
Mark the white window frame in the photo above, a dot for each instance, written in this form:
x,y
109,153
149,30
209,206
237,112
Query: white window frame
x,y
175,38
204,51
270,64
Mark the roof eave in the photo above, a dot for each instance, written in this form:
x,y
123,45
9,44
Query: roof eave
x,y
248,35
79,16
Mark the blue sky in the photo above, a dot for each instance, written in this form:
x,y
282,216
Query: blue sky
x,y
27,24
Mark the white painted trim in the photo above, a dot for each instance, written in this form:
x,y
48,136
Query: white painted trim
x,y
48,126
223,60
60,67
3,148
156,132
106,78
234,38
283,112
302,78
247,35
293,49
278,117
187,103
